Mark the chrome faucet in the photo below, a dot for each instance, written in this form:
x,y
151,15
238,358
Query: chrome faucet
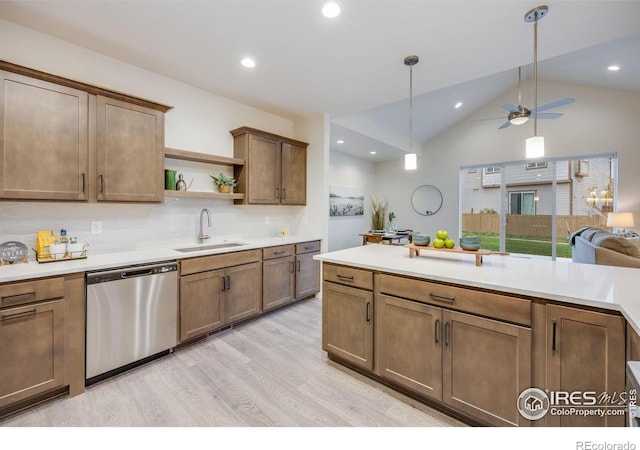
x,y
203,237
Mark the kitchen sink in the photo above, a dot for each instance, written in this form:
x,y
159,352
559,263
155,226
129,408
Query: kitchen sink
x,y
209,247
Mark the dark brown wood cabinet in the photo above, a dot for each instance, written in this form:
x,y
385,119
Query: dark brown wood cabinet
x,y
44,140
275,170
129,152
348,315
585,351
65,140
218,290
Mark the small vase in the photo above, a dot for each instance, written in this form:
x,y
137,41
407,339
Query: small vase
x,y
391,227
224,189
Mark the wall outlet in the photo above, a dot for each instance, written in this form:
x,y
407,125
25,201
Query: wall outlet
x,y
96,227
267,220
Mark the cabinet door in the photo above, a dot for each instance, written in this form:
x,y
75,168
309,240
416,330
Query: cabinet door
x,y
200,303
263,185
347,324
486,365
43,140
409,344
32,350
585,352
242,291
130,152
278,282
307,275
294,175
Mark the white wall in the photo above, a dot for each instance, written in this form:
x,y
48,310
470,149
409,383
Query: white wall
x,y
345,170
199,121
600,120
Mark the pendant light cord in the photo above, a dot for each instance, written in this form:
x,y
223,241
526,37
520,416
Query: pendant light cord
x,y
410,109
535,75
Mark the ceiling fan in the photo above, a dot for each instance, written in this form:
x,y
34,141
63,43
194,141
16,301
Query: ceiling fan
x,y
520,114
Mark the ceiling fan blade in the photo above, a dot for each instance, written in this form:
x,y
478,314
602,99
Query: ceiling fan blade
x,y
564,101
504,125
549,115
510,108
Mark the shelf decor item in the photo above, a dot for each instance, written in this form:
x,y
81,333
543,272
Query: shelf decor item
x,y
224,182
379,213
13,252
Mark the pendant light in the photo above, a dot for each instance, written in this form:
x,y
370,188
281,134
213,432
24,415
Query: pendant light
x,y
411,159
535,144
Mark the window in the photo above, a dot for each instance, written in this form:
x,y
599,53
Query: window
x,y
492,169
522,203
537,165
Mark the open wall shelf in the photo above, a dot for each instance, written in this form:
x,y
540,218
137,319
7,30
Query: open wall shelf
x,y
202,194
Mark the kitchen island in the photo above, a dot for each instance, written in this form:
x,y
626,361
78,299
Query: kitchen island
x,y
470,339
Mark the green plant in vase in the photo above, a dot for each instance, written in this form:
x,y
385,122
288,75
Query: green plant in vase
x,y
391,225
224,182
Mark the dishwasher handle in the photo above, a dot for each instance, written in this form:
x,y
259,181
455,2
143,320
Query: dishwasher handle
x,y
124,273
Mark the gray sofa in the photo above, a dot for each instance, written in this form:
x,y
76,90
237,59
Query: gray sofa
x,y
597,246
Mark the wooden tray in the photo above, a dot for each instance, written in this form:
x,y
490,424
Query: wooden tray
x,y
415,250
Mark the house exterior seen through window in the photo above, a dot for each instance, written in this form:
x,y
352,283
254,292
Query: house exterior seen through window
x,y
532,207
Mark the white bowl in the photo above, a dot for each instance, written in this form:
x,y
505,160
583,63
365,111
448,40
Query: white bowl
x,y
76,250
57,251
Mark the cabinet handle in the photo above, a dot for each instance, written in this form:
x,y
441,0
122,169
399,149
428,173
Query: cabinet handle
x,y
228,282
19,315
278,193
284,194
367,316
438,330
446,334
280,252
224,283
344,277
442,298
311,247
553,338
101,184
19,298
83,182
292,267
298,263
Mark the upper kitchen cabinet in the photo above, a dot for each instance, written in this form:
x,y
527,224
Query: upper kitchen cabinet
x,y
275,170
129,152
65,140
43,140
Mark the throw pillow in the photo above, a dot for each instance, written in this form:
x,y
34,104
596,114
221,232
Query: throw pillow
x,y
615,243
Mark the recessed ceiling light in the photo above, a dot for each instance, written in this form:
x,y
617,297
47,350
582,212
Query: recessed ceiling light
x,y
331,10
372,153
458,105
339,141
614,68
248,62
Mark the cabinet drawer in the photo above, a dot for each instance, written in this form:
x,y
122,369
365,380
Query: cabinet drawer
x,y
20,293
219,261
496,306
307,247
349,276
277,252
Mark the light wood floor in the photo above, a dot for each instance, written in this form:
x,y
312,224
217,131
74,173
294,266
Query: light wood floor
x,y
270,372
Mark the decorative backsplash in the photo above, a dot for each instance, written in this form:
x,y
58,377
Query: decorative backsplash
x,y
135,226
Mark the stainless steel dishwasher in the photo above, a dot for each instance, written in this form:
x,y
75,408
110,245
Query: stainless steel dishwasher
x,y
132,317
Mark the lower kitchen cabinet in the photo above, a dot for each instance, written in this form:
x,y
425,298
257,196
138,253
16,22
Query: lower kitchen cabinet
x,y
585,351
307,274
347,324
242,292
31,350
200,303
475,365
279,276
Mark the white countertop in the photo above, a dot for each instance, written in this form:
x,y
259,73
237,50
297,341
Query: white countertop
x,y
33,269
600,286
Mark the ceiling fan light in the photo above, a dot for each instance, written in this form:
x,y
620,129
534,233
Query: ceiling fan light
x,y
519,120
410,161
535,147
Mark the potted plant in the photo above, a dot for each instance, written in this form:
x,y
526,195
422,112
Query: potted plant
x,y
224,182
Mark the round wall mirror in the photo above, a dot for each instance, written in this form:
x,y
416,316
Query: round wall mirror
x,y
426,200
